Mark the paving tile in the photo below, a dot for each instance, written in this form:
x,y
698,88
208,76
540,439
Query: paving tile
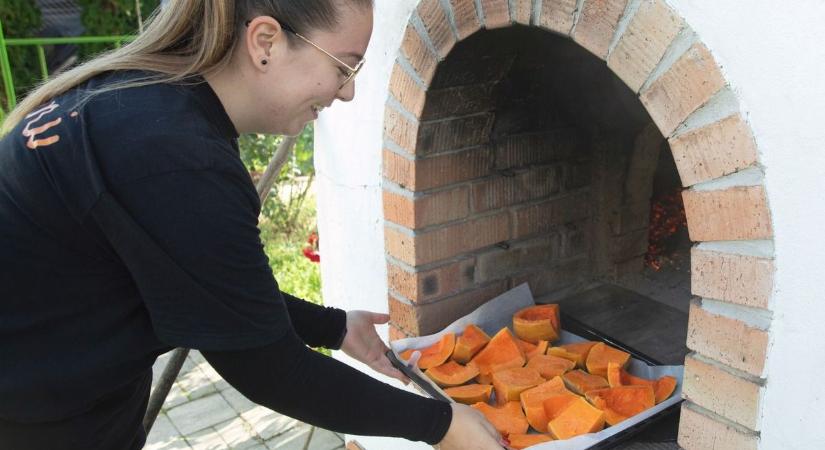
x,y
296,438
268,423
164,436
238,434
196,383
201,413
239,403
176,396
208,439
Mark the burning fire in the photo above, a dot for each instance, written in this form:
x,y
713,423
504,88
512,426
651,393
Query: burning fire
x,y
667,218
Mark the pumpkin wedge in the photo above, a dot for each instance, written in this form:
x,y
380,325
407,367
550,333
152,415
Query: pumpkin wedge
x,y
531,350
510,383
580,381
532,402
451,373
556,404
471,341
601,355
578,418
550,366
507,419
662,388
621,402
470,393
435,354
574,352
502,352
522,441
537,323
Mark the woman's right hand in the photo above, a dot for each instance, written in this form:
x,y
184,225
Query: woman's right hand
x,y
470,430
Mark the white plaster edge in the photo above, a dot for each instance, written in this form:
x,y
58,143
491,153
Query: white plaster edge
x,y
758,249
721,105
448,11
480,14
751,176
577,15
535,13
683,41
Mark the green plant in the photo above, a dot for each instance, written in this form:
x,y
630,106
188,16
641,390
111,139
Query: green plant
x,y
112,17
21,18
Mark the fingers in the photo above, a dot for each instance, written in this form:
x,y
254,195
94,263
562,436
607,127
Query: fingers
x,y
379,318
413,361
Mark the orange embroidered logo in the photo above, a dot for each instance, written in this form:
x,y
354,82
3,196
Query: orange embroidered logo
x,y
32,133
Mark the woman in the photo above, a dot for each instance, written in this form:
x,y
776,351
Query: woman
x,y
128,226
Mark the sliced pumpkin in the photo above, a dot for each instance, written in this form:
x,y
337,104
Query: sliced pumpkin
x,y
556,404
537,323
662,388
550,366
522,441
574,352
531,350
510,383
470,393
471,341
578,418
580,381
435,354
502,352
532,402
451,373
507,419
621,402
601,355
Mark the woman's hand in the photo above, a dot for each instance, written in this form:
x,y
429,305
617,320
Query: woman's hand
x,y
363,344
470,430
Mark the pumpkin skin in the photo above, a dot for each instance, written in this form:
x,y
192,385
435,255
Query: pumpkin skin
x,y
537,323
580,381
510,383
435,354
471,341
578,418
522,441
532,402
662,388
502,352
451,373
507,419
531,350
470,393
574,352
621,402
550,366
601,355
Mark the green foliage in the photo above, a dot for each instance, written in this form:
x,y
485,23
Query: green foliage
x,y
21,18
111,18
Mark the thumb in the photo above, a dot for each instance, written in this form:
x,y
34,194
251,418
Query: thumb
x,y
380,318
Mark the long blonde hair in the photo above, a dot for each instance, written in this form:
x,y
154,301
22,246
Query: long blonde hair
x,y
181,39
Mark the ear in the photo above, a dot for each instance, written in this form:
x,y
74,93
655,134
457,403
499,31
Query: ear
x,y
265,40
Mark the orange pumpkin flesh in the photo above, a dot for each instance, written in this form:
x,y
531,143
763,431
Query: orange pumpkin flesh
x,y
556,404
502,352
619,403
578,418
601,355
532,402
435,354
507,419
531,350
510,383
550,366
451,373
574,352
662,388
469,343
522,441
471,393
580,381
537,323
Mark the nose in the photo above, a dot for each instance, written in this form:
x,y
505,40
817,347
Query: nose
x,y
347,91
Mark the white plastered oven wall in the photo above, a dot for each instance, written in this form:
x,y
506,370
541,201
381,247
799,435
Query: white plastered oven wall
x,y
772,56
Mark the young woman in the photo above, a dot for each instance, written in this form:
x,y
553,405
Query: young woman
x,y
128,226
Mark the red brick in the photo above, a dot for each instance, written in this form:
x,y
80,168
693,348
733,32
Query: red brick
x,y
496,13
722,392
395,334
426,210
458,101
558,15
399,208
500,191
729,341
733,214
644,42
399,169
437,25
628,245
452,168
718,149
454,134
399,129
466,17
432,284
687,85
459,238
597,25
407,91
522,10
399,244
741,279
537,148
552,279
545,216
419,54
499,263
699,431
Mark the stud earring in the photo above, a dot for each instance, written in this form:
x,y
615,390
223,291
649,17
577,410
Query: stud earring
x,y
263,61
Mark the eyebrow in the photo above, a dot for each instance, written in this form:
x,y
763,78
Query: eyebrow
x,y
355,55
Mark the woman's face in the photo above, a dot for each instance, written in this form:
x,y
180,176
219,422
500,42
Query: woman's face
x,y
300,80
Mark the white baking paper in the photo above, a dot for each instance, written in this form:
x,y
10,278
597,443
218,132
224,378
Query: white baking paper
x,y
498,313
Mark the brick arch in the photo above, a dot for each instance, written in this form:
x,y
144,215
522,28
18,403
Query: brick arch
x,y
654,52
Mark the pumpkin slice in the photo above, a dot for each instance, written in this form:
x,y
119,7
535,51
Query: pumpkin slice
x,y
531,350
522,441
662,388
537,323
580,381
550,366
510,383
502,352
574,352
507,419
471,393
621,402
578,418
451,373
556,404
532,402
435,354
601,355
469,343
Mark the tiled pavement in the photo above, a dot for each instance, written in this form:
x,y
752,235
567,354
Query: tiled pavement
x,y
202,412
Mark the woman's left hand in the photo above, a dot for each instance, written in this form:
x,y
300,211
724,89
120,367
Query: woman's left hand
x,y
362,343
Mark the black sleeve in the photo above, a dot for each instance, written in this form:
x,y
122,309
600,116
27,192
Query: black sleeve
x,y
316,325
290,378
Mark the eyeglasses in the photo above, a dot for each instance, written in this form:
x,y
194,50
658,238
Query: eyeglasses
x,y
351,72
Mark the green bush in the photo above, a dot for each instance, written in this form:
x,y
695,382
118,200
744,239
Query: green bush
x,y
21,18
111,18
